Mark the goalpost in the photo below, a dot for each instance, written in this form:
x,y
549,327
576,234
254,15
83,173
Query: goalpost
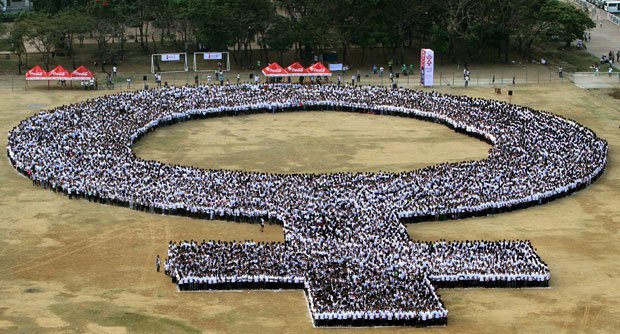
x,y
211,61
169,62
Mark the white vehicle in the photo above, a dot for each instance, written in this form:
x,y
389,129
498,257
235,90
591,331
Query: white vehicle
x,y
612,6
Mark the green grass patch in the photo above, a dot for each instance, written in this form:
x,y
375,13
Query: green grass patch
x,y
571,58
109,315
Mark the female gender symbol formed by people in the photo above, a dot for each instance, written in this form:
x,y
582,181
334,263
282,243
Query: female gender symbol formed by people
x,y
345,242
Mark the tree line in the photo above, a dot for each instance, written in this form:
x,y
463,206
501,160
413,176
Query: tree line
x,y
455,29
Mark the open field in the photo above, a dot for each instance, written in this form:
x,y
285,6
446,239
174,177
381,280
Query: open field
x,y
71,266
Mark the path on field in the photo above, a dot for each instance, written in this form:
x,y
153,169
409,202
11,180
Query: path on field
x,y
605,37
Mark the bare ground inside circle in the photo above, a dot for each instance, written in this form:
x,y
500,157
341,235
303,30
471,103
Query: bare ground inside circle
x,y
70,266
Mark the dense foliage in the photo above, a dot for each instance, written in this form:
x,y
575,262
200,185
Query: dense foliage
x,y
457,29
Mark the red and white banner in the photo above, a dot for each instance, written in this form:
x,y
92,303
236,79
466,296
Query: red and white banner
x,y
318,70
296,70
427,66
37,73
81,73
274,70
60,73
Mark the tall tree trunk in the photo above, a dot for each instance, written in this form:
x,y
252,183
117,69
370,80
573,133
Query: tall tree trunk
x,y
383,51
363,56
19,63
154,43
141,30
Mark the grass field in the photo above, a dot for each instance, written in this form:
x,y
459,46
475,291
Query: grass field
x,y
71,266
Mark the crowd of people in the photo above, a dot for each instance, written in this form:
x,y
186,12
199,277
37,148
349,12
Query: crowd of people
x,y
345,243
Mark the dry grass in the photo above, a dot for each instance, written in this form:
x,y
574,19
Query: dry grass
x,y
74,266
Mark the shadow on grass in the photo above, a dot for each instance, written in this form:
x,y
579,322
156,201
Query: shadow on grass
x,y
109,315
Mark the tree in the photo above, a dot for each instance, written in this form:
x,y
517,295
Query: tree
x,y
565,21
17,37
213,22
71,24
43,34
279,37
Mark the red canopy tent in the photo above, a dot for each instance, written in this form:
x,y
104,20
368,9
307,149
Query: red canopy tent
x,y
318,70
274,70
296,70
81,73
37,73
59,73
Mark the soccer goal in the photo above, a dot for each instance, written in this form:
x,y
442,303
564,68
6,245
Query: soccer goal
x,y
211,61
169,63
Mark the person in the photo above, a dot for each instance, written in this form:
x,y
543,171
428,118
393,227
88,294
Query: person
x,y
196,80
411,69
114,69
109,83
157,263
262,224
353,80
257,79
466,80
128,82
158,79
381,69
238,78
374,68
258,64
560,72
543,61
610,70
221,78
359,76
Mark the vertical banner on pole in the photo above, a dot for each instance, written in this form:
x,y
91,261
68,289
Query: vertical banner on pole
x,y
427,65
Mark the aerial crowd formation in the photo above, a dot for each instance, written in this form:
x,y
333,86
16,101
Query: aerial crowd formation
x,y
344,239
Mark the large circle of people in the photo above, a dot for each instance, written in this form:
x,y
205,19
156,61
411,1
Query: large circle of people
x,y
344,240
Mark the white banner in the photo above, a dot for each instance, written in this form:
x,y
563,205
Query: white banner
x,y
212,55
335,67
427,66
171,57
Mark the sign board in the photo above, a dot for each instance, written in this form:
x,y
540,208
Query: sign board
x,y
427,65
212,56
171,57
335,67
